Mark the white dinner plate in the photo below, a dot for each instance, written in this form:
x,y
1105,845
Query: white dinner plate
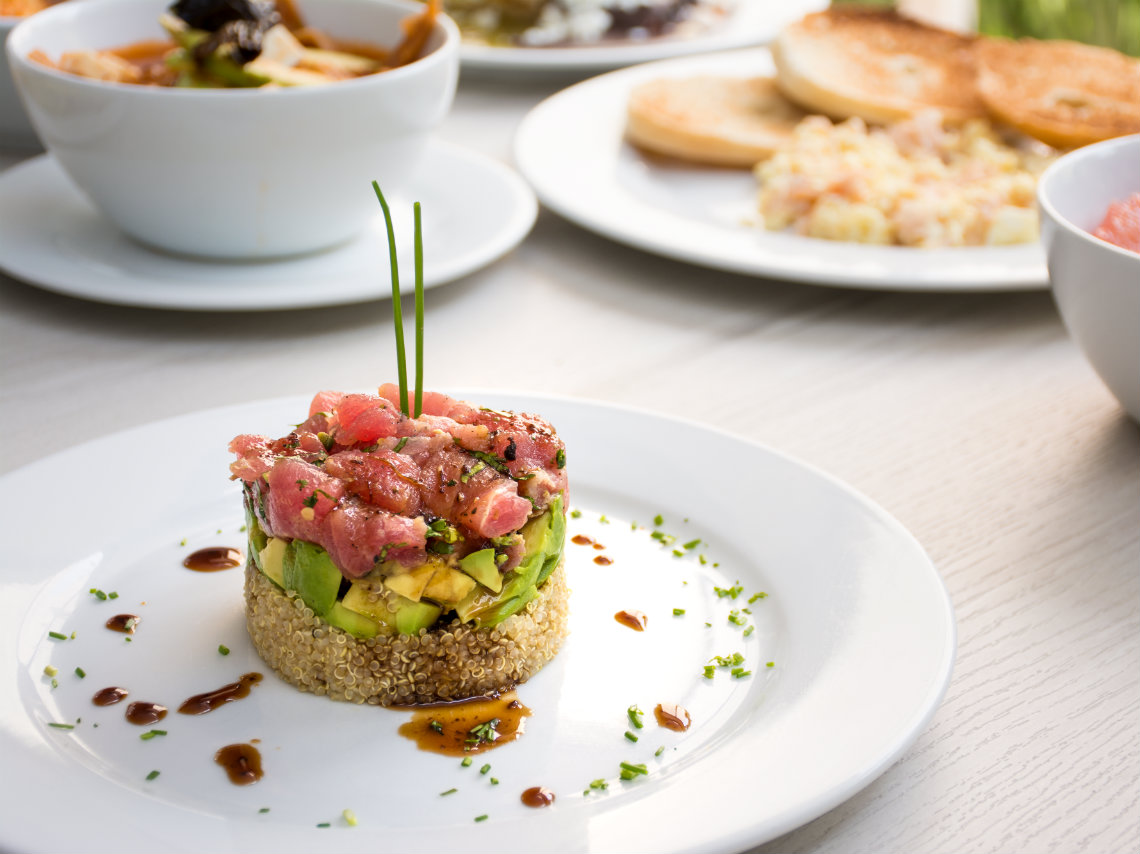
x,y
571,149
848,655
475,210
751,22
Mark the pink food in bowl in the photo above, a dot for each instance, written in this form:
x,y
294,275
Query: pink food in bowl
x,y
1121,224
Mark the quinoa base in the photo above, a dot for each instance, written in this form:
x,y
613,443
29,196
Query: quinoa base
x,y
453,661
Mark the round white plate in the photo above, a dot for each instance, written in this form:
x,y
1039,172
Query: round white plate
x,y
475,210
571,149
752,22
856,624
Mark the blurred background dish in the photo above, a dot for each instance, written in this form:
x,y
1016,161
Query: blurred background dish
x,y
1096,284
747,22
16,131
236,174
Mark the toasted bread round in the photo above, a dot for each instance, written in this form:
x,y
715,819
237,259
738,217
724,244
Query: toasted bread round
x,y
1060,92
877,65
720,121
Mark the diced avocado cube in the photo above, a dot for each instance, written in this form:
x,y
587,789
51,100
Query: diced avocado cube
x,y
272,560
448,586
411,583
309,570
254,534
481,566
535,533
354,623
413,616
358,599
486,609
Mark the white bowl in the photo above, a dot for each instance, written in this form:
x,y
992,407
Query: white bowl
x,y
16,131
1096,285
235,173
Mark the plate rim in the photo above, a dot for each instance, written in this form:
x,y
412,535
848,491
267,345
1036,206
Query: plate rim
x,y
795,261
74,280
757,832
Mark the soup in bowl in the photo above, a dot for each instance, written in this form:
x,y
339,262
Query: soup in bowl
x,y
183,159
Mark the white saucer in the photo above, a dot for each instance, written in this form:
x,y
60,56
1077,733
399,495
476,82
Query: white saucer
x,y
475,209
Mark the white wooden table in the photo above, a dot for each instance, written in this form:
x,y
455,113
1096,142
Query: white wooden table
x,y
972,418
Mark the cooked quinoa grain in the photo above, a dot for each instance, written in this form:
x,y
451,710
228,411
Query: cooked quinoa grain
x,y
451,662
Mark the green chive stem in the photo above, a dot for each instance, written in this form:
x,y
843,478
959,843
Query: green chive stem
x,y
419,252
397,313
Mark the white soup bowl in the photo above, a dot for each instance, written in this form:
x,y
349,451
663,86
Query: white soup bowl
x,y
1096,284
235,173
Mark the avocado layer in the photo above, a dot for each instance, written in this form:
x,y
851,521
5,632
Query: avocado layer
x,y
412,599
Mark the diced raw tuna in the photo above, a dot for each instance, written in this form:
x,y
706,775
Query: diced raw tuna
x,y
363,480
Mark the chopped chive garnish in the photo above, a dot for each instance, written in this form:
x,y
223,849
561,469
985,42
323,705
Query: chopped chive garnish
x,y
560,461
182,542
635,715
61,726
710,671
731,592
481,818
748,631
483,733
128,640
397,312
678,553
57,635
692,544
740,673
54,683
324,824
494,781
223,649
575,514
98,594
263,810
114,595
630,736
736,619
603,519
80,672
659,750
448,792
658,520
770,664
151,733
466,763
437,726
484,769
152,775
702,559
49,670
600,783
400,445
678,612
629,770
756,596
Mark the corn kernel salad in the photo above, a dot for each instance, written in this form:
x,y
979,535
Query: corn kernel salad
x,y
916,183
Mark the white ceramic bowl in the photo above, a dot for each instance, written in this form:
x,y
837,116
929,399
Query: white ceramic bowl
x,y
1096,285
16,131
237,173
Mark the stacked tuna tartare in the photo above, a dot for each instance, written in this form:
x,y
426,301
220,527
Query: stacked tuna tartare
x,y
397,560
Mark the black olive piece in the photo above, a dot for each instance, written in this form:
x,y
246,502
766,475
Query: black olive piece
x,y
211,15
243,39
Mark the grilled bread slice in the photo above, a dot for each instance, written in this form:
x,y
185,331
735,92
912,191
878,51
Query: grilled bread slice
x,y
877,65
1060,92
718,121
